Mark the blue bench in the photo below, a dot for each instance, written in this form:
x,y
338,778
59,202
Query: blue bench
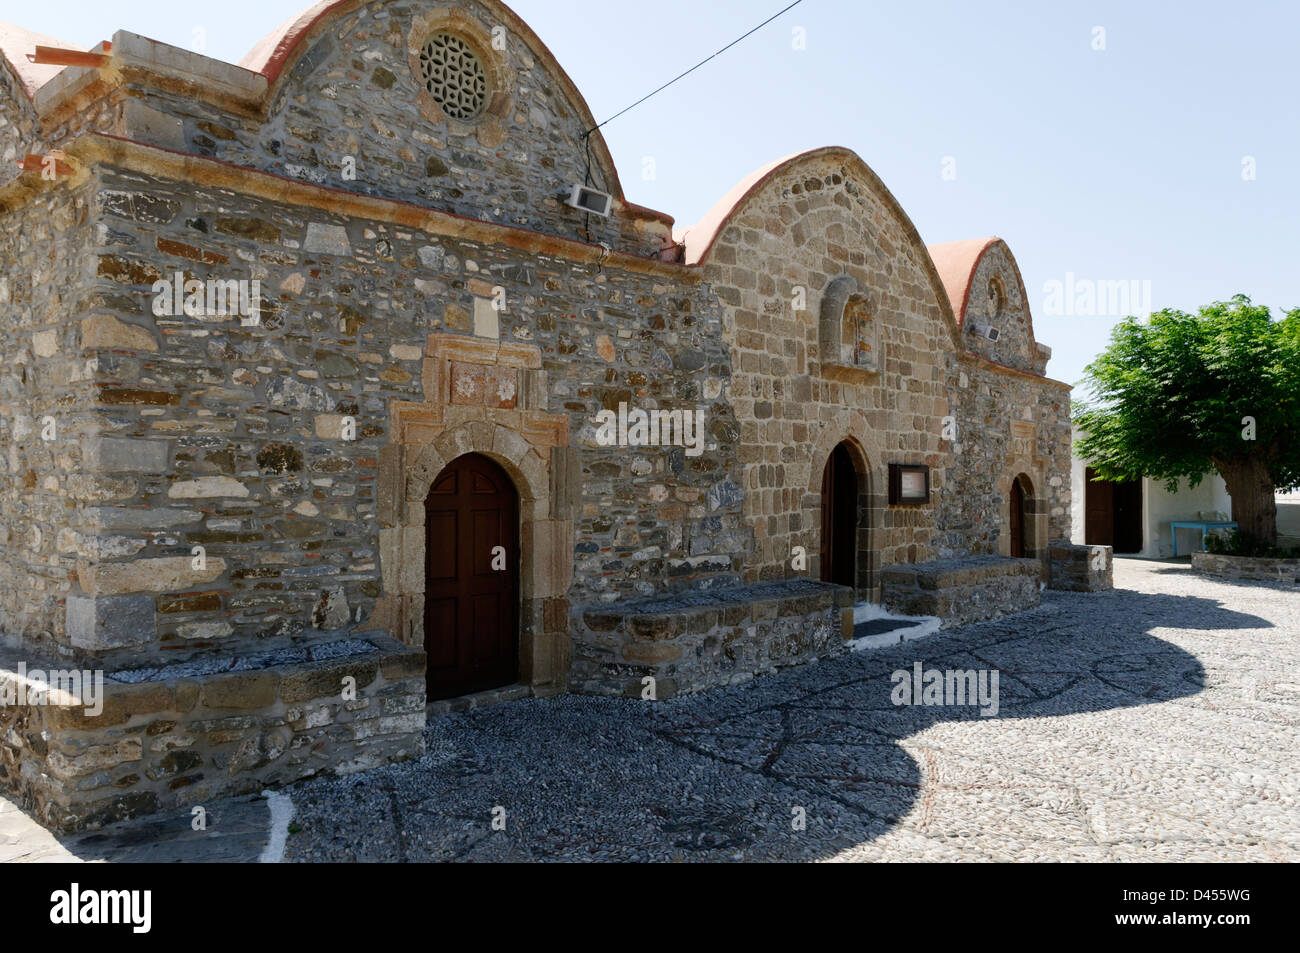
x,y
1203,525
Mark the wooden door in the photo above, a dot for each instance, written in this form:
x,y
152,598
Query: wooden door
x,y
1098,510
471,594
839,519
1127,531
1017,519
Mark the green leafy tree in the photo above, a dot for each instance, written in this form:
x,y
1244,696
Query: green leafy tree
x,y
1179,395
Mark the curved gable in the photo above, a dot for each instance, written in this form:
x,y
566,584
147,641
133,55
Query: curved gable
x,y
839,332
986,289
956,263
701,239
698,239
281,49
343,81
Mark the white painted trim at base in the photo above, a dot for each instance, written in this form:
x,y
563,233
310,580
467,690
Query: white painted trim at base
x,y
867,611
282,811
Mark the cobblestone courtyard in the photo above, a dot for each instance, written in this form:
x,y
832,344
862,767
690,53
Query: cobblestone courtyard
x,y
1154,722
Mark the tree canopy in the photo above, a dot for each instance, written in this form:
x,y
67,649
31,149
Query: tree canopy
x,y
1178,395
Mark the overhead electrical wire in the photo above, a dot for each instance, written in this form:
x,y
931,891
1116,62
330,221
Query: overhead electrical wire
x,y
692,69
586,136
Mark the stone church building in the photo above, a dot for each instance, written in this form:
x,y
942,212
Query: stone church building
x,y
347,380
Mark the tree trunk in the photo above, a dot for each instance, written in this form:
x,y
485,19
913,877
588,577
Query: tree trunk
x,y
1254,506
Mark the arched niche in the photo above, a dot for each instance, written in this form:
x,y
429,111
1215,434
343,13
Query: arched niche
x,y
849,327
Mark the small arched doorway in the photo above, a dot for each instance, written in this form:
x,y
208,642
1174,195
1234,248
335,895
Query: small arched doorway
x,y
471,589
1018,522
839,519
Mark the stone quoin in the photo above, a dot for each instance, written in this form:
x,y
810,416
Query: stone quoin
x,y
281,539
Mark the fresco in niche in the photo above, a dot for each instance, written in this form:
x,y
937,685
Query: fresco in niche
x,y
859,347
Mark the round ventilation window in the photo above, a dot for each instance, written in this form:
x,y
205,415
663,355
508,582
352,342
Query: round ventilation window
x,y
454,76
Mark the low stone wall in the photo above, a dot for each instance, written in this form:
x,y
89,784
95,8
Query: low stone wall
x,y
1247,568
962,590
697,640
1080,568
184,734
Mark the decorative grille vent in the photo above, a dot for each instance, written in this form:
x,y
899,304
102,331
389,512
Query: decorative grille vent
x,y
454,76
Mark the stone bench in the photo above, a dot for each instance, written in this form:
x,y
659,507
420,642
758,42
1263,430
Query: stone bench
x,y
185,733
962,590
694,640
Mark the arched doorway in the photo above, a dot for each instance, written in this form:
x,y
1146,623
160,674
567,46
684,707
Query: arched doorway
x,y
471,594
839,518
1017,521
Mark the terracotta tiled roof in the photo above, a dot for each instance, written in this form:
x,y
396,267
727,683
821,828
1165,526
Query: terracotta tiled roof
x,y
699,238
270,54
15,44
956,263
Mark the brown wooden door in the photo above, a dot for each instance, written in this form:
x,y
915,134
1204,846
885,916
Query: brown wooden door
x,y
1017,519
1098,510
839,519
470,608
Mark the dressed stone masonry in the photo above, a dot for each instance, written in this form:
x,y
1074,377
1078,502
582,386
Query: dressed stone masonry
x,y
226,507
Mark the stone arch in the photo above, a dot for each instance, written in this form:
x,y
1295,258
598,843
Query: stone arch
x,y
870,508
546,548
1035,509
522,463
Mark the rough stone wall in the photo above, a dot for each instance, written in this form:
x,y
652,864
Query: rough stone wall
x,y
354,94
103,114
795,398
815,222
20,132
198,431
1246,568
46,411
227,437
1007,424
